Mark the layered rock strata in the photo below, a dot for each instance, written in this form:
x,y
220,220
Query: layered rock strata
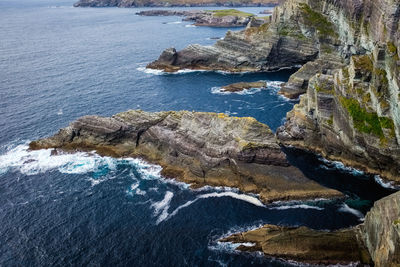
x,y
238,87
350,56
227,18
304,245
198,148
381,231
376,241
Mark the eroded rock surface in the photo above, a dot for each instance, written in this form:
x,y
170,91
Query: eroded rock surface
x,y
381,231
304,244
195,147
376,241
206,18
237,87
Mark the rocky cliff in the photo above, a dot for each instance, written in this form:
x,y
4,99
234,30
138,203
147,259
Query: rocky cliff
x,y
210,18
381,231
376,241
349,52
172,3
271,46
352,113
198,148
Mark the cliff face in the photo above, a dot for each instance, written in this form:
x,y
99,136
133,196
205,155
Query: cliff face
x,y
274,45
177,3
195,147
352,113
376,241
381,231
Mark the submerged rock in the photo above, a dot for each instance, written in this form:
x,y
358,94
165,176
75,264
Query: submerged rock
x,y
237,87
195,147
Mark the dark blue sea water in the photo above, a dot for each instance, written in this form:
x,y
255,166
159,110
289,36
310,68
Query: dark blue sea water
x,y
58,63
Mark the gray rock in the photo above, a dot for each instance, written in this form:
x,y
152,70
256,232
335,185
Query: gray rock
x,y
195,147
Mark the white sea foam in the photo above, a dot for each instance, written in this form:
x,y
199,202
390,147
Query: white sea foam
x,y
150,71
161,207
185,71
385,184
346,208
220,91
299,206
28,162
174,22
216,188
247,198
229,246
250,199
340,166
274,85
190,26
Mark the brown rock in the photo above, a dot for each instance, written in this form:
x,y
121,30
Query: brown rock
x,y
195,147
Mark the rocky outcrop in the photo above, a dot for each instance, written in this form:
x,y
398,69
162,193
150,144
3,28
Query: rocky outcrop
x,y
195,147
294,35
237,87
217,18
349,52
172,3
349,116
304,245
351,111
376,241
381,231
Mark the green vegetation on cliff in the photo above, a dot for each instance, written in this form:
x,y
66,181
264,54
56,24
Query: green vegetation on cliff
x,y
317,21
230,12
367,122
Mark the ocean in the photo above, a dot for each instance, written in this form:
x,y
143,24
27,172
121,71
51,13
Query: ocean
x,y
59,63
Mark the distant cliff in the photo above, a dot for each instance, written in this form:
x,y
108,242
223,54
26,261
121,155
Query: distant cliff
x,y
173,3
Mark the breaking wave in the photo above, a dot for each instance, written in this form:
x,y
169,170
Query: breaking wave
x,y
32,162
346,208
385,184
274,85
337,165
297,206
247,198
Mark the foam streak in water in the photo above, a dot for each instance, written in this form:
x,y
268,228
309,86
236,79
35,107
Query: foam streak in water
x,y
346,208
299,206
162,207
247,198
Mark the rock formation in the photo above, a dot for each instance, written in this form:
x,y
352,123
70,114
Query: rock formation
x,y
237,87
304,245
211,18
377,238
258,48
352,113
349,106
350,56
381,231
198,148
172,3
